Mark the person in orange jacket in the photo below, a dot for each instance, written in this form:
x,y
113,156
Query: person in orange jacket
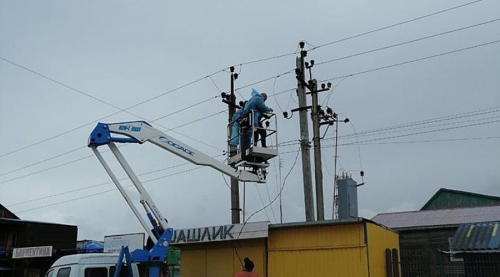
x,y
247,269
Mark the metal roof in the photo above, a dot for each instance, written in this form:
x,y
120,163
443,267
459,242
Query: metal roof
x,y
20,221
317,223
442,191
437,218
483,236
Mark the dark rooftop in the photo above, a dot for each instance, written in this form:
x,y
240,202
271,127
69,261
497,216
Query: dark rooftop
x,y
437,218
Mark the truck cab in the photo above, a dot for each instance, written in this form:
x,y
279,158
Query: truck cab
x,y
88,265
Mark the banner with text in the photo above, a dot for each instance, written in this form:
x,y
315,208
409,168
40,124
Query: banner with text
x,y
221,233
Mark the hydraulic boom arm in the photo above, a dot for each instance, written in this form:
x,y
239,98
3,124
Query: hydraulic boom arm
x,y
140,132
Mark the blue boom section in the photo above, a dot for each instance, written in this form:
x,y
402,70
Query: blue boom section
x,y
155,258
101,135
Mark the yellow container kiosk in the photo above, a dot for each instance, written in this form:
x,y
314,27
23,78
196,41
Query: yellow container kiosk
x,y
355,247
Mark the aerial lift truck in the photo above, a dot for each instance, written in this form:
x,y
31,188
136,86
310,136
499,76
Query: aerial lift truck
x,y
244,169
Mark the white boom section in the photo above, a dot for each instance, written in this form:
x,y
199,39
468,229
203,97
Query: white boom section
x,y
142,132
144,196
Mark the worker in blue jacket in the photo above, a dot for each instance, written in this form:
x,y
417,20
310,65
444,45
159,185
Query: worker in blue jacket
x,y
256,103
235,128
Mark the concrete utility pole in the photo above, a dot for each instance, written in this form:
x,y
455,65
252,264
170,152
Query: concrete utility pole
x,y
318,171
319,118
304,136
235,189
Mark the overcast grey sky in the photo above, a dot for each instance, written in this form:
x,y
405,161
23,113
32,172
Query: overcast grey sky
x,y
65,65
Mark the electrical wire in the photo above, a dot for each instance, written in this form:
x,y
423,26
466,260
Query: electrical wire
x,y
372,133
263,208
103,192
40,162
330,93
95,98
267,79
274,91
122,179
262,201
409,41
412,61
404,142
280,192
265,59
80,159
197,80
327,146
92,186
361,34
420,133
428,121
397,24
427,141
421,127
355,36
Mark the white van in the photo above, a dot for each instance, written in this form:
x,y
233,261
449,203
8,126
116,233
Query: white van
x,y
88,265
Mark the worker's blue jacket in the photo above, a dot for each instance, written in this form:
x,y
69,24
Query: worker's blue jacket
x,y
235,129
256,103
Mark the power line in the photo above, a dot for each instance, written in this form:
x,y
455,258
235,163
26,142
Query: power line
x,y
267,79
103,192
397,24
420,133
107,103
279,193
77,160
209,76
95,98
124,178
405,142
428,121
93,186
40,162
377,131
412,61
327,146
435,140
265,59
294,142
422,127
409,41
361,34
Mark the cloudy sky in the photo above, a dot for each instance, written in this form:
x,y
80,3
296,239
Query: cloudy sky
x,y
417,79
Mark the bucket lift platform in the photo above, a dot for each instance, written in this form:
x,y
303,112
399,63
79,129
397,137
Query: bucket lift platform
x,y
253,157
